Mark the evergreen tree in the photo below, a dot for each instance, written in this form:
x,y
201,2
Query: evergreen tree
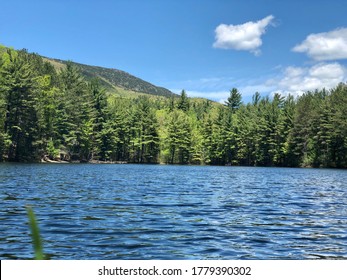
x,y
208,142
101,116
338,126
77,115
234,100
218,147
145,138
246,134
179,138
183,103
20,121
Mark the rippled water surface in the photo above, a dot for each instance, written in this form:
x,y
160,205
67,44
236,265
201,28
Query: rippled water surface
x,y
90,211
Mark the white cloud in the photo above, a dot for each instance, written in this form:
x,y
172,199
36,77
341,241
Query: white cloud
x,y
325,46
245,36
293,80
219,96
249,90
297,80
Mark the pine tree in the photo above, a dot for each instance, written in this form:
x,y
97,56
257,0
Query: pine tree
x,y
145,138
183,103
18,90
338,122
77,115
179,138
207,136
234,100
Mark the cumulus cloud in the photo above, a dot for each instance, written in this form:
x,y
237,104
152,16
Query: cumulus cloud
x,y
291,80
325,46
245,36
297,80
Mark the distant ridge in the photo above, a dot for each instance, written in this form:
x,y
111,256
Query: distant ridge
x,y
112,79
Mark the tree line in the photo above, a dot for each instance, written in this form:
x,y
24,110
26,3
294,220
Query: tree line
x,y
59,115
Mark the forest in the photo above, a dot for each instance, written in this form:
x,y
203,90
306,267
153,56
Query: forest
x,y
48,114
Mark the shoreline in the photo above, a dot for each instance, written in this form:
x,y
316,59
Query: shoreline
x,y
77,161
49,161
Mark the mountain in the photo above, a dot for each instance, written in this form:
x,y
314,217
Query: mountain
x,y
115,80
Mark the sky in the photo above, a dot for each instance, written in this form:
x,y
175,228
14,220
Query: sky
x,y
206,47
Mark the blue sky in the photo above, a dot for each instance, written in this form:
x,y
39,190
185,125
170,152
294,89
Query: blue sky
x,y
205,47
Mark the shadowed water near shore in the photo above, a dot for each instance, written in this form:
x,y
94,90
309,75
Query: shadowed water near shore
x,y
174,212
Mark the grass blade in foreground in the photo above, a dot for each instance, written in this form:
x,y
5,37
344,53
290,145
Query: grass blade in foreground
x,y
35,234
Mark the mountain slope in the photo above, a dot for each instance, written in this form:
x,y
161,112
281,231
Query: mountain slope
x,y
116,80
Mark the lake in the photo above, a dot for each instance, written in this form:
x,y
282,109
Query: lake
x,y
110,211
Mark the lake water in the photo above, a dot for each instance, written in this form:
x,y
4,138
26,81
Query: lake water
x,y
88,211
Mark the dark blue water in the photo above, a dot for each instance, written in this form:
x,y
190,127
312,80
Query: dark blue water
x,y
174,212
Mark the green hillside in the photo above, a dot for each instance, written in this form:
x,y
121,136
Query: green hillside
x,y
115,80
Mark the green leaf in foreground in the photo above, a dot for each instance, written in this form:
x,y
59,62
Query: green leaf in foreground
x,y
35,234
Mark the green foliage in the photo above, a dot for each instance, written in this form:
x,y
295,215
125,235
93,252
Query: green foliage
x,y
68,115
111,78
183,103
178,140
144,135
234,100
52,151
35,235
5,144
17,89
